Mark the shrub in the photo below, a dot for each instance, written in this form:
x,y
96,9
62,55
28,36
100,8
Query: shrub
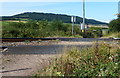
x,y
114,25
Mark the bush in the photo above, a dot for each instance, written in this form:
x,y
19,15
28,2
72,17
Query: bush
x,y
114,26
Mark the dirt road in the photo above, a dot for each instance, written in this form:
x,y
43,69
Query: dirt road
x,y
24,65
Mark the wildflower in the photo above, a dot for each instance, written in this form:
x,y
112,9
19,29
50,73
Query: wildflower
x,y
116,63
110,58
58,73
101,69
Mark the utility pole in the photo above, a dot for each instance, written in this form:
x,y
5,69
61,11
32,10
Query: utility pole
x,y
84,15
73,20
118,15
72,28
119,7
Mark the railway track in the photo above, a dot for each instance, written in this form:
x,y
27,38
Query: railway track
x,y
62,39
23,39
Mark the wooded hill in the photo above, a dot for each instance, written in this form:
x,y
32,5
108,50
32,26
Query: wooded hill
x,y
49,17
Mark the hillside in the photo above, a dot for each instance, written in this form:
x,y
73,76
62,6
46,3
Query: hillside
x,y
49,17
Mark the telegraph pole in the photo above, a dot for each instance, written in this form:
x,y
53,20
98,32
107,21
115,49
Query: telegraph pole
x,y
84,15
72,28
119,7
73,20
118,15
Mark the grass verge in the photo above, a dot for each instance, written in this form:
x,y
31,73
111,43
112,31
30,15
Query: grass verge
x,y
100,60
115,34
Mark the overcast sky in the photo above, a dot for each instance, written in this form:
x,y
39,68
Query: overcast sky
x,y
103,11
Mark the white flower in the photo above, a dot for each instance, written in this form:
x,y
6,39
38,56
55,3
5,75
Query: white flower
x,y
101,69
110,58
116,63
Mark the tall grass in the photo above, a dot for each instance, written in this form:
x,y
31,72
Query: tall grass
x,y
100,60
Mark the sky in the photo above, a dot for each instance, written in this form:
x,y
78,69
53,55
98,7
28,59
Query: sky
x,y
101,11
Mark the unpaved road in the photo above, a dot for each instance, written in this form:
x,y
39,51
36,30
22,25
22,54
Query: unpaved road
x,y
24,65
24,59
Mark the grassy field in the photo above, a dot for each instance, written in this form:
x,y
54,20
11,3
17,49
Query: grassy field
x,y
102,59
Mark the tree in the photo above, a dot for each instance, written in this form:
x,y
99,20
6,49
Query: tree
x,y
114,25
57,25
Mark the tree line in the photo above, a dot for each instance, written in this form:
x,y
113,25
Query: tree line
x,y
34,29
44,28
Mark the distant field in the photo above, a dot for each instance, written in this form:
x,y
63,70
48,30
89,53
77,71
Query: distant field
x,y
13,21
100,26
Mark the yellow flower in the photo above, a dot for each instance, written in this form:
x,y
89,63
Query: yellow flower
x,y
58,73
